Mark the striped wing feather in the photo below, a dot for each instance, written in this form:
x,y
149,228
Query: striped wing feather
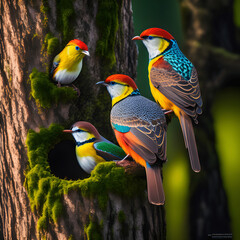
x,y
184,94
147,140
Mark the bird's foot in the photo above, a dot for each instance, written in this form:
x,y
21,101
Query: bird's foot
x,y
76,89
166,112
59,84
123,163
131,167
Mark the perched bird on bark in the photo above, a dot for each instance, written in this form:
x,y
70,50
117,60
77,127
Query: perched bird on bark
x,y
67,65
174,84
140,129
91,147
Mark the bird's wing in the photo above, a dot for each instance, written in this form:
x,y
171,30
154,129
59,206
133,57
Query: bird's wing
x,y
148,140
56,61
109,151
183,93
147,143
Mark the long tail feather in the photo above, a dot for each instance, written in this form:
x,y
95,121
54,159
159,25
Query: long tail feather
x,y
190,142
154,185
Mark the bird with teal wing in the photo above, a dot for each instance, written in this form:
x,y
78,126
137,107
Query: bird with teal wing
x,y
67,65
140,129
174,84
91,147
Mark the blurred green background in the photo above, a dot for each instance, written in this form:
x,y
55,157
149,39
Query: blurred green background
x,y
176,172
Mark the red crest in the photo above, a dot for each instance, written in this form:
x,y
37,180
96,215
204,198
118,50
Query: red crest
x,y
122,79
79,43
157,32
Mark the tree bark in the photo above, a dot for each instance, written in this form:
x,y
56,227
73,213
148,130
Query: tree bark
x,y
211,45
23,27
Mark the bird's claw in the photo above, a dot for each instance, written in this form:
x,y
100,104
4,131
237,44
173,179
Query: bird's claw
x,y
76,89
123,163
166,112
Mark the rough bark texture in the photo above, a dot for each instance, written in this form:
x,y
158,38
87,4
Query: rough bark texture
x,y
211,45
22,32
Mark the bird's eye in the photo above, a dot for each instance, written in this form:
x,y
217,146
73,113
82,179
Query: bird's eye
x,y
150,37
112,83
77,48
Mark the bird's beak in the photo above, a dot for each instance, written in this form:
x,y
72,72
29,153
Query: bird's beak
x,y
68,131
86,52
101,83
137,38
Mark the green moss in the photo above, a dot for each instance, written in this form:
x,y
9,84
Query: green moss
x,y
107,23
46,93
45,191
65,19
123,224
44,8
121,217
42,223
93,230
71,237
50,48
107,177
53,44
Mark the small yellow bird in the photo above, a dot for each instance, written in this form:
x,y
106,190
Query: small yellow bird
x,y
91,147
67,65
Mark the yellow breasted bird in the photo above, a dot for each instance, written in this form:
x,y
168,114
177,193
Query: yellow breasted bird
x,y
140,128
174,84
67,65
91,147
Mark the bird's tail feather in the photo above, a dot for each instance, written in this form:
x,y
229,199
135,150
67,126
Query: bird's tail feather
x,y
154,185
190,142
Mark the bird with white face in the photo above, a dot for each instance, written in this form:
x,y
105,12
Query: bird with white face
x,y
173,82
91,147
140,129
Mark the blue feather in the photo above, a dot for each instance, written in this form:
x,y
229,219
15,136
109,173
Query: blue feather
x,y
148,165
120,128
178,61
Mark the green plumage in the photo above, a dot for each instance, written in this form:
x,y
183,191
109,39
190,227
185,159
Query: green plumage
x,y
110,148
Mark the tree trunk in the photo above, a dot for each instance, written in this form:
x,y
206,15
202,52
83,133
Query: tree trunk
x,y
209,34
28,30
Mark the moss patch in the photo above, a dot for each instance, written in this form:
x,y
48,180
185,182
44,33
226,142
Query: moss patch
x,y
121,217
107,23
50,44
45,191
46,93
123,224
50,48
93,230
44,8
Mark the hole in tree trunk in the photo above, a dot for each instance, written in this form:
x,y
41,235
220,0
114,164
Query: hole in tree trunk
x,y
63,162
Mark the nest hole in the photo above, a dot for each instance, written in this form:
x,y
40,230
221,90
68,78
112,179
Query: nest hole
x,y
63,162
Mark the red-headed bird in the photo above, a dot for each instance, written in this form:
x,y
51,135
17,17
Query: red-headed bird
x,y
140,128
91,147
174,84
67,65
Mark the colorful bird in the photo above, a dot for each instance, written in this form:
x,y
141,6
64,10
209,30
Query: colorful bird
x,y
91,147
174,84
67,65
140,128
